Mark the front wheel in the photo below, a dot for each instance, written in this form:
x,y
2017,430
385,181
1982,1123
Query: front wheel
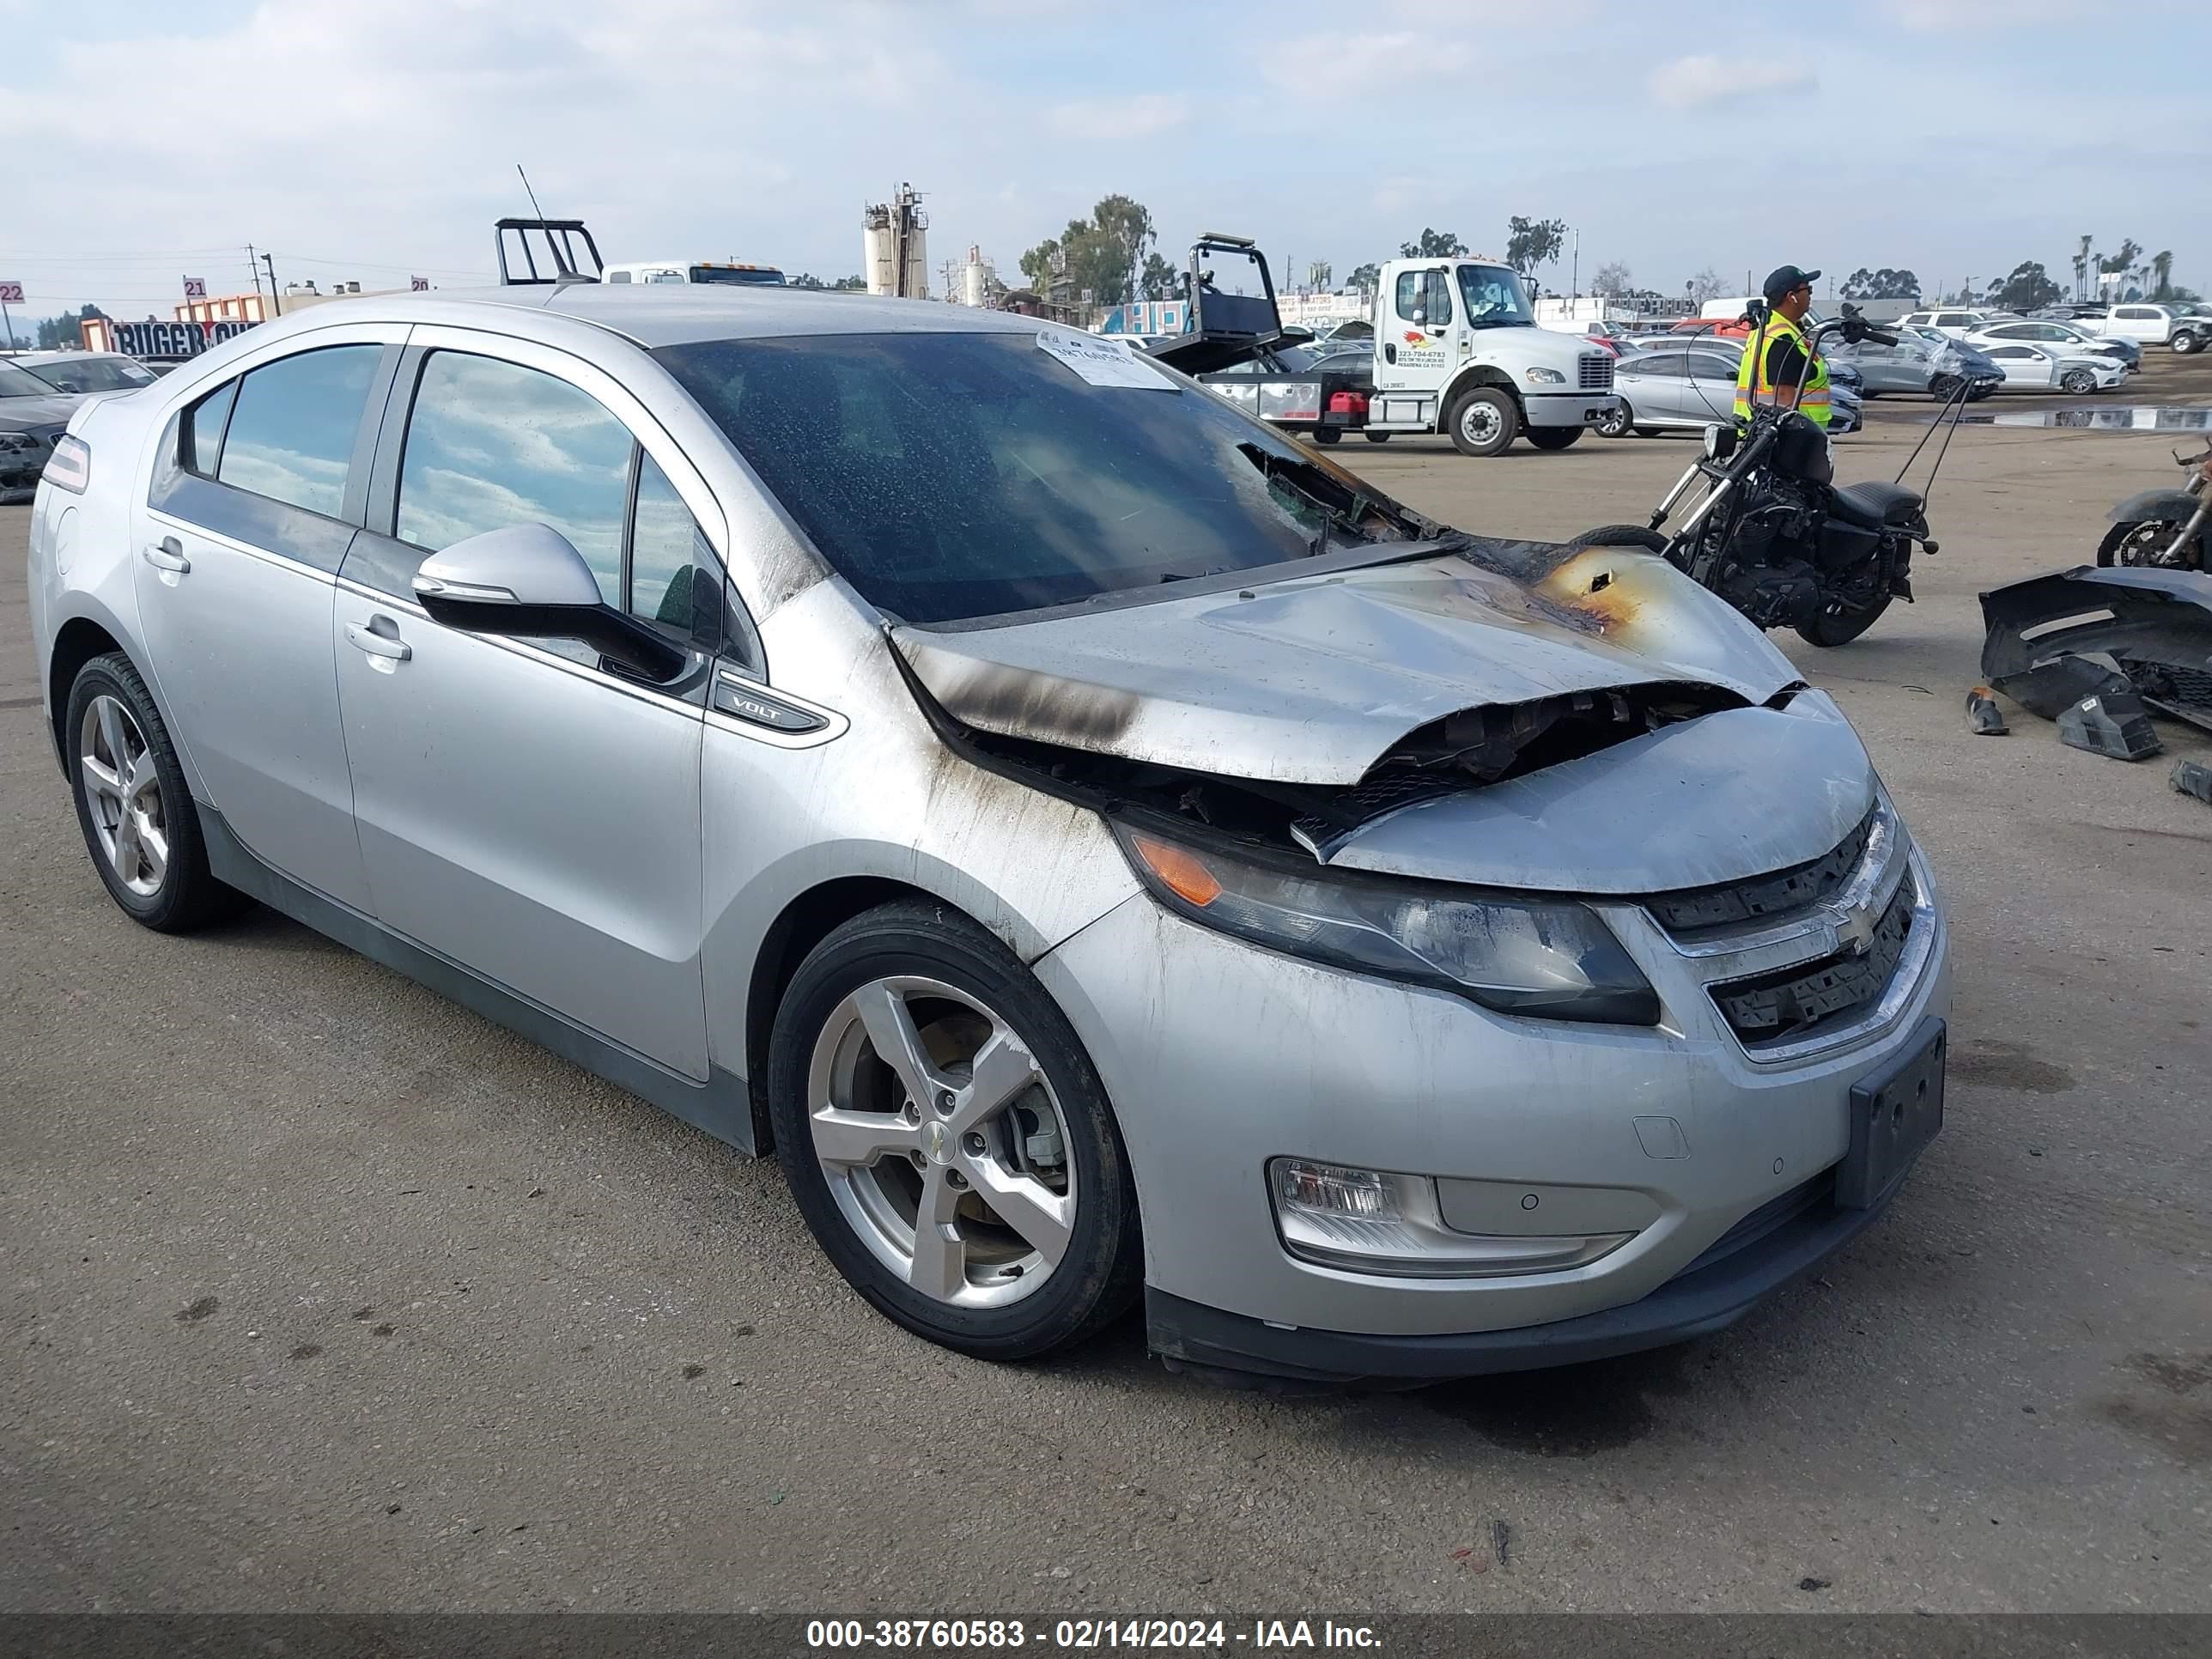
x,y
2185,343
947,1140
1841,624
1326,434
1616,422
2144,544
1622,535
1483,422
1555,437
1944,387
2078,381
137,816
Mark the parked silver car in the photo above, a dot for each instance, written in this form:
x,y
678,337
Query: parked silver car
x,y
1687,384
1100,846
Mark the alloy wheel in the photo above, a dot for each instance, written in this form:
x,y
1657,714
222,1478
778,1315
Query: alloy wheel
x,y
942,1142
123,788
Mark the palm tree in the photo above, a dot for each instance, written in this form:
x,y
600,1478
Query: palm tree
x,y
2161,268
2082,255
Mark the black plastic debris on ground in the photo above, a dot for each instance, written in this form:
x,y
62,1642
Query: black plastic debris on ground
x,y
2110,722
2052,640
2193,778
1983,718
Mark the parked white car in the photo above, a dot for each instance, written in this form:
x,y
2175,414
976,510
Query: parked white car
x,y
1957,322
2044,368
2150,324
2065,337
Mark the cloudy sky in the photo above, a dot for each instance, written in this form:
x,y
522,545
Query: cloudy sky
x,y
374,139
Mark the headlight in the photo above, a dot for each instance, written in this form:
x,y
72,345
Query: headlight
x,y
1539,958
1543,377
12,441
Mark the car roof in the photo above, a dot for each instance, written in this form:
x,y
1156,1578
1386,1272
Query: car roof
x,y
662,314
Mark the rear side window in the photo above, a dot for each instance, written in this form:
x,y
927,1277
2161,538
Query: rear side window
x,y
291,433
492,444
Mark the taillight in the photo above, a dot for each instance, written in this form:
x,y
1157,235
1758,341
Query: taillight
x,y
1347,403
70,464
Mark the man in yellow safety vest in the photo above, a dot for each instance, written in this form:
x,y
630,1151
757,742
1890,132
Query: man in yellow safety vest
x,y
1775,355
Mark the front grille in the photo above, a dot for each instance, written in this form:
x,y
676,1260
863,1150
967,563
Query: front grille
x,y
1793,1003
1798,888
1596,372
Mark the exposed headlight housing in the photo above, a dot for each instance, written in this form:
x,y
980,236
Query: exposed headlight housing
x,y
1539,957
1374,1221
1543,377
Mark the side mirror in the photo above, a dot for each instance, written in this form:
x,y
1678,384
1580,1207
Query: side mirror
x,y
528,581
1421,317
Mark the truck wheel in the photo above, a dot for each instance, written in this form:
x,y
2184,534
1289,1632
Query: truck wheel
x,y
1555,437
2186,342
1376,437
1484,420
1326,434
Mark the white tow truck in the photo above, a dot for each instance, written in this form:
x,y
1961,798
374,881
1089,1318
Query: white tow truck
x,y
1456,349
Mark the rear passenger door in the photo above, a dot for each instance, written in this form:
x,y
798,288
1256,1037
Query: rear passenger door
x,y
525,809
252,501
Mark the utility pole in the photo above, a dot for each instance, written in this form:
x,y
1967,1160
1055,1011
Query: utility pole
x,y
1575,268
253,269
273,300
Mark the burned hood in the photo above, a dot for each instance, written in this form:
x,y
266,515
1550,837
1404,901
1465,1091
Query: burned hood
x,y
1310,679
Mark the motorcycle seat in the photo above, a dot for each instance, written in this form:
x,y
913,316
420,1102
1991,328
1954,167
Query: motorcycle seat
x,y
1873,505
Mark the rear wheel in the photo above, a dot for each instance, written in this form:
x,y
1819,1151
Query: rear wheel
x,y
137,817
1484,420
1617,421
1376,437
1841,624
1555,437
947,1140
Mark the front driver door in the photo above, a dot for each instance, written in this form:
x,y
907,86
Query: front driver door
x,y
524,811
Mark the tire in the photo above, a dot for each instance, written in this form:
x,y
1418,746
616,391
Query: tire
x,y
2115,549
1833,628
946,991
1553,437
1483,422
1326,434
1943,388
1376,437
2077,381
2186,342
1647,431
1622,535
136,816
1616,424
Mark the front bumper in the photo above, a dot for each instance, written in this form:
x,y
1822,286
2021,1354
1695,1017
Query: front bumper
x,y
1220,1056
1567,407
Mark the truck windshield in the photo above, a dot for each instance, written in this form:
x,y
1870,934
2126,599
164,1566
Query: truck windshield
x,y
1493,297
749,276
949,476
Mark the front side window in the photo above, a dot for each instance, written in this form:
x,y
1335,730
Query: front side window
x,y
957,474
202,436
291,432
1494,297
1428,292
492,444
667,553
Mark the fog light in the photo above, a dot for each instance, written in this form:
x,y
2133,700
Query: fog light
x,y
1373,1221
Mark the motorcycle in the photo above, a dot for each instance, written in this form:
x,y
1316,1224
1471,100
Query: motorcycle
x,y
2164,529
1774,535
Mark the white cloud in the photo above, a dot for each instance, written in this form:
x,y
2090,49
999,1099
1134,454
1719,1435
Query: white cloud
x,y
1696,82
1351,66
1143,116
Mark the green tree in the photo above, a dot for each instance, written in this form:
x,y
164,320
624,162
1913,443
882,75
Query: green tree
x,y
850,284
1883,284
2119,264
1159,281
1319,273
1106,254
1532,242
2083,256
1367,277
1613,281
805,279
2161,271
2028,289
63,332
1433,244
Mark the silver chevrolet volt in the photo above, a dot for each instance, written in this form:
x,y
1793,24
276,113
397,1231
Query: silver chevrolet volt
x,y
1105,849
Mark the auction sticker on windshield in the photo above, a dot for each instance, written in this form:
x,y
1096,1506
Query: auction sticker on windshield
x,y
1101,362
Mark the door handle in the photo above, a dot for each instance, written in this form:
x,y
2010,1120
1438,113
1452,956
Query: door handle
x,y
365,637
168,555
1389,352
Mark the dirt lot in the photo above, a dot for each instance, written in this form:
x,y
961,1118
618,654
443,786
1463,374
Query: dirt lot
x,y
321,1293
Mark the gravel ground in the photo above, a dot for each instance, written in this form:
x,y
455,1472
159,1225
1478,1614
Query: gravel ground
x,y
323,1293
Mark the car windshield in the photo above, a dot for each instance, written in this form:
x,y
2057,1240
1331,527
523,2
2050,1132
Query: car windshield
x,y
741,276
1493,297
90,374
949,476
16,383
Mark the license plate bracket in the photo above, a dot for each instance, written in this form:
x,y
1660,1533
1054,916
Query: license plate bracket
x,y
1895,1113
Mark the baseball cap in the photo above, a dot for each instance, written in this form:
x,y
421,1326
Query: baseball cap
x,y
1783,278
